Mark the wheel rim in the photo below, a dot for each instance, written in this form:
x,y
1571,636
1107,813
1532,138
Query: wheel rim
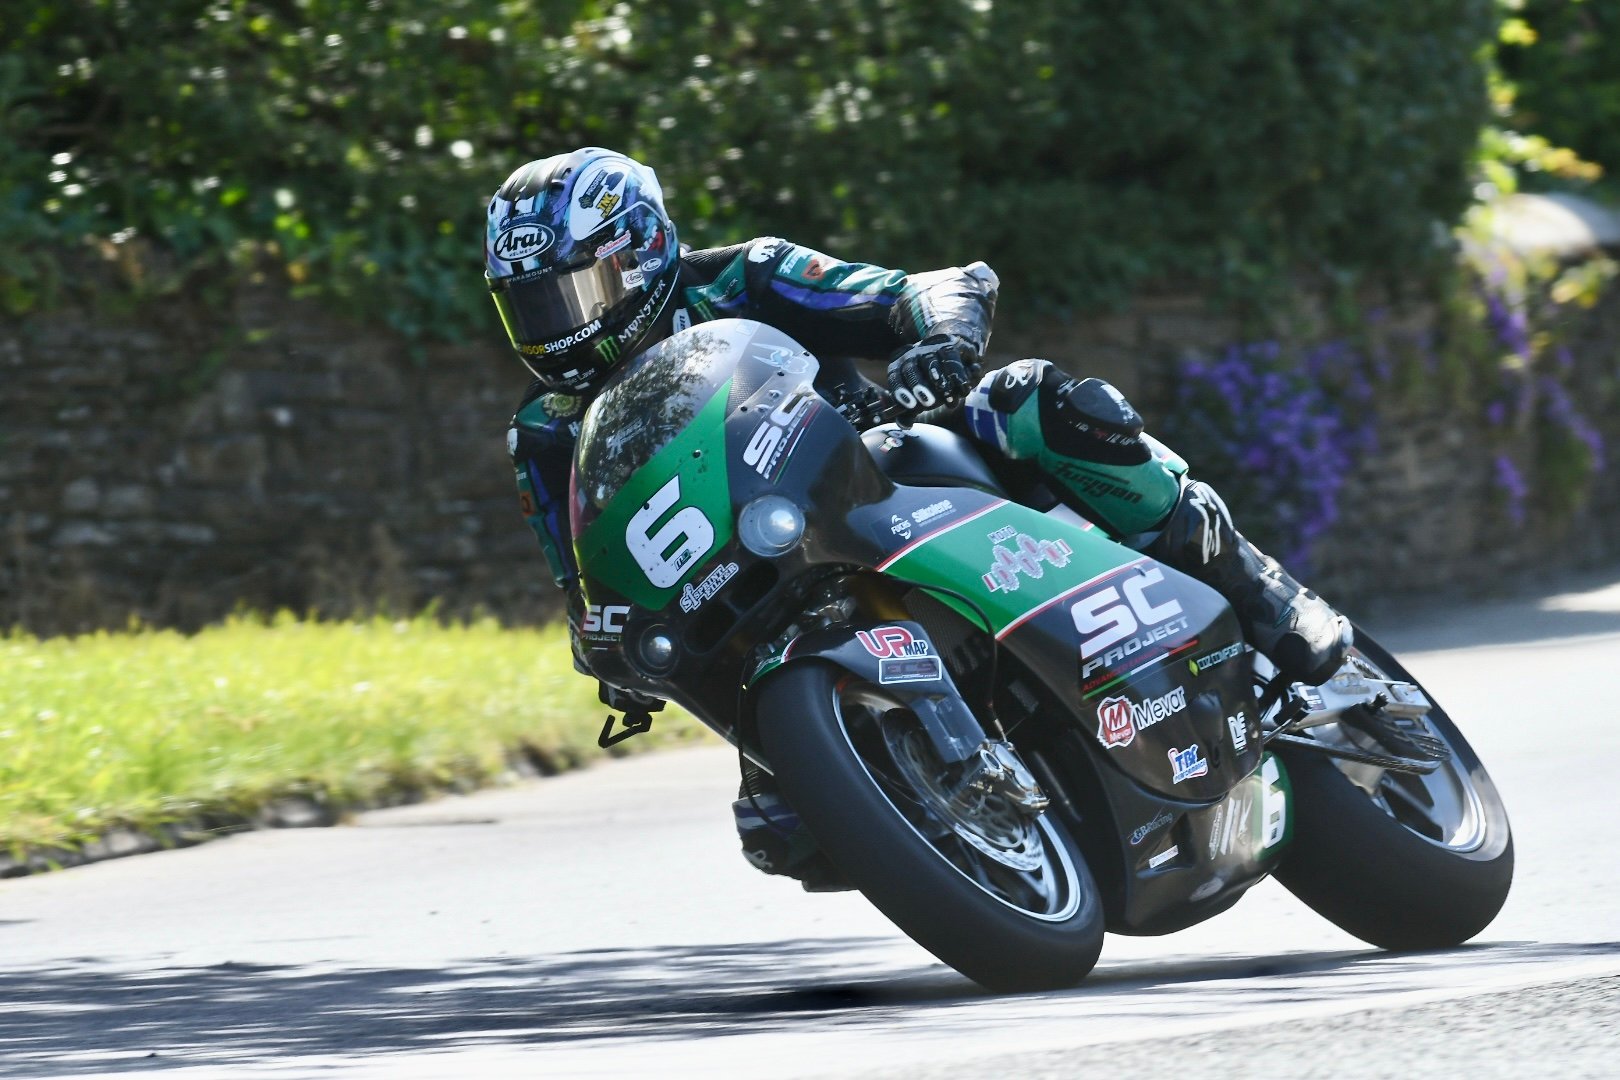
x,y
1443,807
1017,861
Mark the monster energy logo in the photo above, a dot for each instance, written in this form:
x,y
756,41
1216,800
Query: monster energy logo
x,y
608,349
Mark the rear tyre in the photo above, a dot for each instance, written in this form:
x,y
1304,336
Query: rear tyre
x,y
1004,899
1400,861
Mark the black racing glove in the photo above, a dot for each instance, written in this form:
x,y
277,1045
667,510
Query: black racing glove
x,y
936,372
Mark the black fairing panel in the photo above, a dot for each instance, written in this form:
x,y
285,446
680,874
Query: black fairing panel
x,y
923,455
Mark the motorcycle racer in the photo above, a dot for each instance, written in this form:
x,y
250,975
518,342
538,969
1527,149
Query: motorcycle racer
x,y
585,269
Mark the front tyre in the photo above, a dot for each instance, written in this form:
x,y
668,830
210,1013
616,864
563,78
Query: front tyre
x,y
1401,861
1003,898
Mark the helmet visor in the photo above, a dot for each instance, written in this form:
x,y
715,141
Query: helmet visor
x,y
551,313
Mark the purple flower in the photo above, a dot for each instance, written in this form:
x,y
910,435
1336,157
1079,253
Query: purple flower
x,y
1511,481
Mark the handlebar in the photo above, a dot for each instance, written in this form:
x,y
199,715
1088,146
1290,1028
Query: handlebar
x,y
870,406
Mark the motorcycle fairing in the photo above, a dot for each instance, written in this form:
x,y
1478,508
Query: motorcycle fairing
x,y
1109,630
899,656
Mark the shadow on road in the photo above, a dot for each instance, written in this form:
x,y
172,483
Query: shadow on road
x,y
83,1017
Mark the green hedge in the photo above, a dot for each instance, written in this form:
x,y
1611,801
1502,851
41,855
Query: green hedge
x,y
1084,148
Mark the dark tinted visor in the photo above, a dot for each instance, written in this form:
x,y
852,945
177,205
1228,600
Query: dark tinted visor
x,y
550,312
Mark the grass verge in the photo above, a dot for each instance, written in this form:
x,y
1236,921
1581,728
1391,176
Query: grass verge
x,y
149,727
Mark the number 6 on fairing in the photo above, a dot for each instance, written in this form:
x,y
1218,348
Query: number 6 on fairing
x,y
689,533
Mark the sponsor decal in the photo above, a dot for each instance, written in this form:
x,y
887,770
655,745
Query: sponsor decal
x,y
1164,856
523,241
563,343
604,620
1186,764
603,178
1147,829
693,598
561,405
1019,373
1273,805
617,439
884,641
613,245
651,266
766,250
1005,533
1215,659
1110,615
904,669
904,526
1003,576
1095,484
1120,718
794,363
647,311
814,270
601,195
633,278
1239,727
776,437
1123,631
1231,820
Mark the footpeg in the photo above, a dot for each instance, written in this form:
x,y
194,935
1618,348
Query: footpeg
x,y
1403,735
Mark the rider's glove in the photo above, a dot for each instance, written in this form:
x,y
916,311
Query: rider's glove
x,y
937,371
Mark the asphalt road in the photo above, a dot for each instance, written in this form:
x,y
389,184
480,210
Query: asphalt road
x,y
602,924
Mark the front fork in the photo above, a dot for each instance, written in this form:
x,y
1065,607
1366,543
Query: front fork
x,y
900,657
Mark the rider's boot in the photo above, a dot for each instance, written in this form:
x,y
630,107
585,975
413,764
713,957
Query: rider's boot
x,y
1088,442
1301,633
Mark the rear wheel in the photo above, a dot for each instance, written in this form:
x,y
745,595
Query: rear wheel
x,y
1401,861
1001,896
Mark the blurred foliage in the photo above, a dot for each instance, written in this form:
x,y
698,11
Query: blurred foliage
x,y
1084,148
1560,62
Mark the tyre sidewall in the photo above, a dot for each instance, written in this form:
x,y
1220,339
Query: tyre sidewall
x,y
1371,876
899,872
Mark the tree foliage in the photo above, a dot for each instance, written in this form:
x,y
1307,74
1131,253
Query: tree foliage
x,y
1083,147
1562,60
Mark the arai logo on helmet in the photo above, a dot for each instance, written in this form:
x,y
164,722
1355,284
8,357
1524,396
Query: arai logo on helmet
x,y
522,240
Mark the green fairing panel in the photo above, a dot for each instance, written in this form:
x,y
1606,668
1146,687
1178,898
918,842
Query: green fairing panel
x,y
1012,561
650,530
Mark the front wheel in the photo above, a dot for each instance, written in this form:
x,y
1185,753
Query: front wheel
x,y
1402,861
1002,897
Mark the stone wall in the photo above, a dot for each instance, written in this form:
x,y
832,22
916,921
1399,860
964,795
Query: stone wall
x,y
177,462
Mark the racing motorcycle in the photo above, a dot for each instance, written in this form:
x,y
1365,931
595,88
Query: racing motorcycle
x,y
1008,731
